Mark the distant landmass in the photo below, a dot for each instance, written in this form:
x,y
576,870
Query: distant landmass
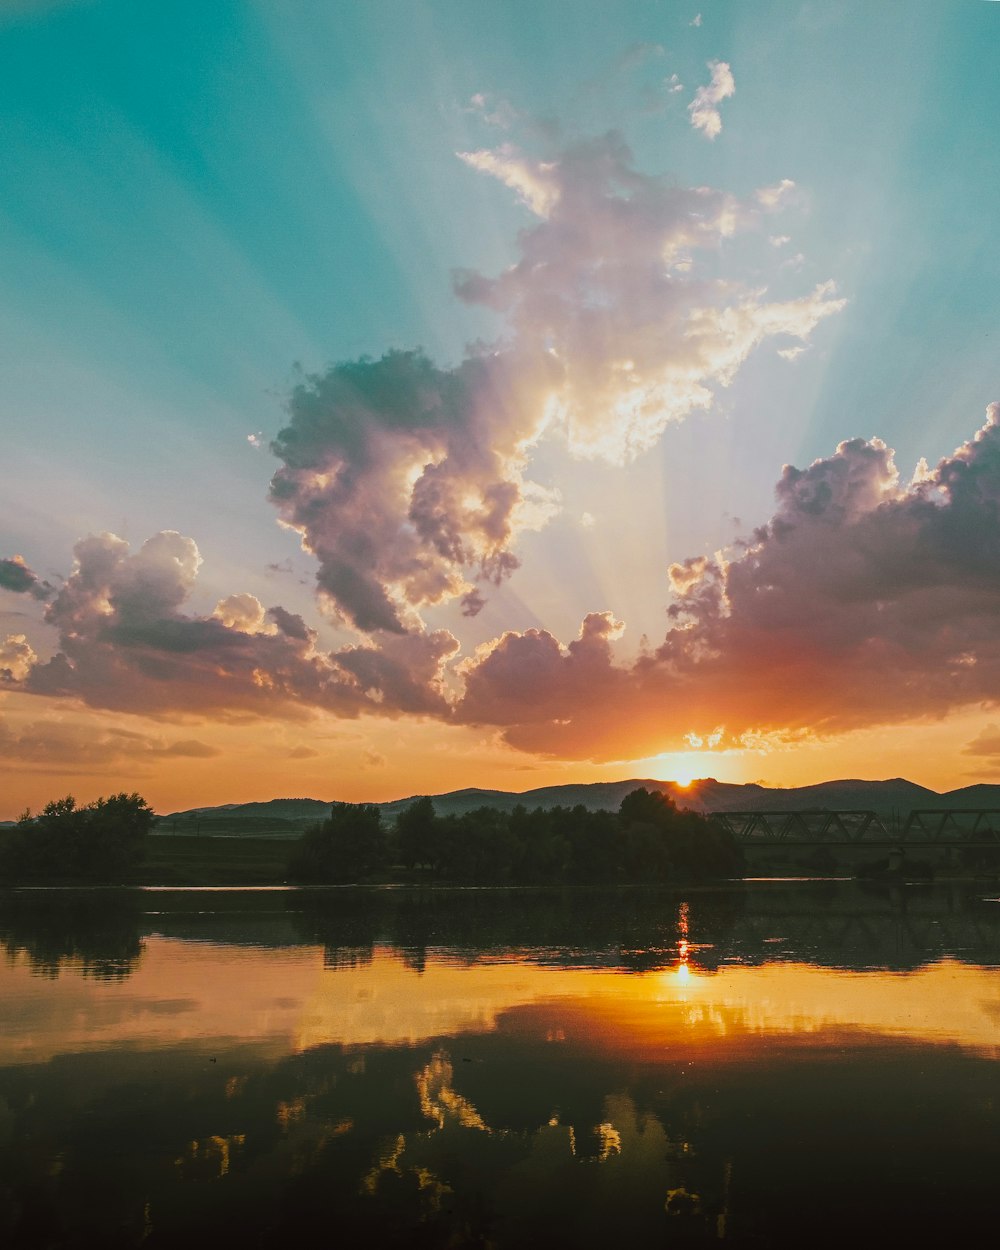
x,y
288,817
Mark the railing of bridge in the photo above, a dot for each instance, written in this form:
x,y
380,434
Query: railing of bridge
x,y
924,826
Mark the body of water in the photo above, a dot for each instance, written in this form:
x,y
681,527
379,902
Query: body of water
x,y
765,1064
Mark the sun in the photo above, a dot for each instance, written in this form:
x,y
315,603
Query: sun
x,y
680,767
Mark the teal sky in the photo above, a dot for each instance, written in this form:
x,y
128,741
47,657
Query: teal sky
x,y
196,199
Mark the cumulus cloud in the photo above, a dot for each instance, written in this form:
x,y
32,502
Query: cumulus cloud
x,y
862,601
527,681
16,658
16,576
865,599
125,643
607,280
704,110
410,482
405,479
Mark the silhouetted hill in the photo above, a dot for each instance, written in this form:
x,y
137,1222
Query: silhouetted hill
x,y
704,795
981,795
284,809
843,795
288,817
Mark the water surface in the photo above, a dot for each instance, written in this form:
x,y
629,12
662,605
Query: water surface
x,y
766,1064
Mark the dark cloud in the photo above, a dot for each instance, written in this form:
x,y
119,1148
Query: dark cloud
x,y
15,575
862,601
291,624
126,644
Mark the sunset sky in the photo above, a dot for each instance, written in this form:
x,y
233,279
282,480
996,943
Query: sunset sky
x,y
407,395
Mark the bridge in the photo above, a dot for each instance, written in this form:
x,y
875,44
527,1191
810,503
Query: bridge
x,y
923,827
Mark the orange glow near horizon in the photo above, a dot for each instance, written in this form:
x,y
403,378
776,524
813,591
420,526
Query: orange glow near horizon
x,y
87,754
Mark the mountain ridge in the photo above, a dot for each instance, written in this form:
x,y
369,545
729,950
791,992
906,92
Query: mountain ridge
x,y
703,795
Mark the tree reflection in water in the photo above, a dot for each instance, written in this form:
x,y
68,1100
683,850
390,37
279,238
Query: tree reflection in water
x,y
96,931
562,1121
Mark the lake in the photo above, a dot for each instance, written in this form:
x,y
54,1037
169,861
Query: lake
x,y
761,1064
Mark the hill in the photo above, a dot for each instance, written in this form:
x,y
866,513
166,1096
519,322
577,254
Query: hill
x,y
287,818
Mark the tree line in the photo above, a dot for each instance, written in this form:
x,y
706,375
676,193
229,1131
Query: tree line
x,y
649,839
97,841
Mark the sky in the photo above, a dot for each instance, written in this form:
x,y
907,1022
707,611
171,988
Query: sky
x,y
399,397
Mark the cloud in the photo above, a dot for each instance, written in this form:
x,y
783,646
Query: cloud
x,y
703,108
302,753
192,749
88,747
607,281
776,197
533,181
986,743
410,482
126,644
862,601
16,576
527,681
405,479
16,658
493,110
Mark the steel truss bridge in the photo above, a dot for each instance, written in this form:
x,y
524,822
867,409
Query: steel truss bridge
x,y
922,827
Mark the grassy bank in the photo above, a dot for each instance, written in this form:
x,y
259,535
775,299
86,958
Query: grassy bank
x,y
185,860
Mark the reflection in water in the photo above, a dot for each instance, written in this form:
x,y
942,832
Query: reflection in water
x,y
97,931
683,1070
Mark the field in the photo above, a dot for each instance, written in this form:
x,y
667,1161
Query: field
x,y
189,860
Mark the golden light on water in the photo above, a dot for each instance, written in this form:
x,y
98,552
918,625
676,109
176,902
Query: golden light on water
x,y
292,1002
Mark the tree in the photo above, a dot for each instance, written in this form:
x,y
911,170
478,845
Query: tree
x,y
415,829
348,846
102,839
661,841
